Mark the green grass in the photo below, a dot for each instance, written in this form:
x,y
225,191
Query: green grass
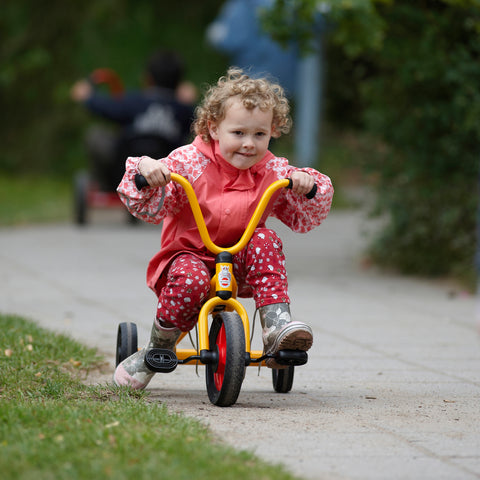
x,y
52,426
26,200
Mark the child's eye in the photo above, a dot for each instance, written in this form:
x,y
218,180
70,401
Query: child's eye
x,y
238,132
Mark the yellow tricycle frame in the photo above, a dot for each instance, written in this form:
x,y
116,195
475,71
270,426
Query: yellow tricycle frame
x,y
229,331
229,301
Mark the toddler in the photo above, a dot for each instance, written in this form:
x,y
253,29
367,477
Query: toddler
x,y
229,166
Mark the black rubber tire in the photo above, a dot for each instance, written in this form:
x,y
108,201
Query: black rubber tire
x,y
127,341
224,377
282,379
80,190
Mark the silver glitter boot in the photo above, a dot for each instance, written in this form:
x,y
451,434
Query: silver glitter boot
x,y
279,332
133,371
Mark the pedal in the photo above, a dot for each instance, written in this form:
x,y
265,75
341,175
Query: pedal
x,y
291,357
161,360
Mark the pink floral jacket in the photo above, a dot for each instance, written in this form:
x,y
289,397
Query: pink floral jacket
x,y
227,196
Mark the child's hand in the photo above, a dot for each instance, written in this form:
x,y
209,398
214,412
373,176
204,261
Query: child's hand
x,y
302,182
81,91
155,172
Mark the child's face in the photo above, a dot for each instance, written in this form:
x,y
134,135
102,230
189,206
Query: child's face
x,y
243,135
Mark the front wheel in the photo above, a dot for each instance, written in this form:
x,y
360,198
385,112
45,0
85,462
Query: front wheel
x,y
225,375
283,379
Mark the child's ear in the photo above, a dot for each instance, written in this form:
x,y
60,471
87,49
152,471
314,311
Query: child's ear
x,y
212,130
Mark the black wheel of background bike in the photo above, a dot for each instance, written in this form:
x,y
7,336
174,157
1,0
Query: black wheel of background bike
x,y
80,189
127,341
282,379
224,377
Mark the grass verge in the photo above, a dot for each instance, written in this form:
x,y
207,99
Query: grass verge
x,y
27,200
52,426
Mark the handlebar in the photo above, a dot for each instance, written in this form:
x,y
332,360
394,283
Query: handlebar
x,y
141,182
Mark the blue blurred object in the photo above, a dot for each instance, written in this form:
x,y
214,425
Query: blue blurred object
x,y
309,106
238,33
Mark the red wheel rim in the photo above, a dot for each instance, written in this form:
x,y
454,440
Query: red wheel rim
x,y
221,343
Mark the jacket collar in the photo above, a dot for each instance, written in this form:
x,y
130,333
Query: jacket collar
x,y
236,179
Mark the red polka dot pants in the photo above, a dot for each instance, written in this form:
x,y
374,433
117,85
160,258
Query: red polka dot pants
x,y
259,269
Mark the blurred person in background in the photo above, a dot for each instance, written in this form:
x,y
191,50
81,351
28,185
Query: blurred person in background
x,y
153,120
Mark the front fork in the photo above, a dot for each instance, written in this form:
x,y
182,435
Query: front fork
x,y
225,288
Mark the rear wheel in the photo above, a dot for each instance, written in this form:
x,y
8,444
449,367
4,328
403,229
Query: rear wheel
x,y
224,376
283,379
127,341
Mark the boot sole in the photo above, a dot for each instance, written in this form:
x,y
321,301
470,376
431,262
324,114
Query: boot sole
x,y
292,338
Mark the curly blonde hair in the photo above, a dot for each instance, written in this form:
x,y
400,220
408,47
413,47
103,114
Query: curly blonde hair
x,y
252,92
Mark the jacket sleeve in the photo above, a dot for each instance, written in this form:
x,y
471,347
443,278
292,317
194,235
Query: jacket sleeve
x,y
151,204
120,110
297,211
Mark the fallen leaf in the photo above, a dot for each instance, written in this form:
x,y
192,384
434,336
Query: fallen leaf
x,y
113,424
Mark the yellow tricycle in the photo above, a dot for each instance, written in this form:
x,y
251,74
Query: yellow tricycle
x,y
223,327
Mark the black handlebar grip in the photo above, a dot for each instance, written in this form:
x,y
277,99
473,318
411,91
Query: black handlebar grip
x,y
140,181
310,194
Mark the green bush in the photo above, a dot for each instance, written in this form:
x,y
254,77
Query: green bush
x,y
47,45
408,73
424,102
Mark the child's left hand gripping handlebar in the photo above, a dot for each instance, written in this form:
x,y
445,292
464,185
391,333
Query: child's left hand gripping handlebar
x,y
310,194
141,182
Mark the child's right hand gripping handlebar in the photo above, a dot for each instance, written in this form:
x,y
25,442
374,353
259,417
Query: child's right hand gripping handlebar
x,y
141,182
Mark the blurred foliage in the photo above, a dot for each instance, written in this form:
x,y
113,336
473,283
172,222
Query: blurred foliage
x,y
45,45
424,101
408,72
353,24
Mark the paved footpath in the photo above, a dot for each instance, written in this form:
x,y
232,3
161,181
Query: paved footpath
x,y
392,387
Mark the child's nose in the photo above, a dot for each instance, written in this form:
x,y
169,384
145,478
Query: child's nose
x,y
248,141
